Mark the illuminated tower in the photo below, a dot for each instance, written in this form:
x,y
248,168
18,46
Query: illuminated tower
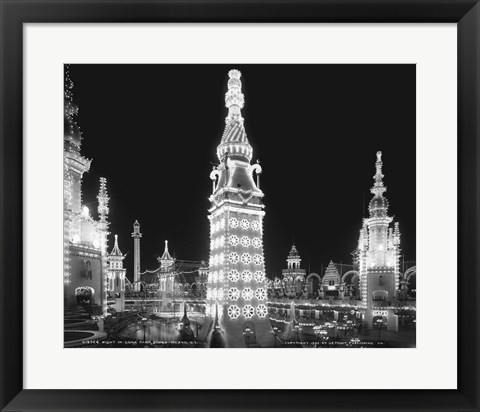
x,y
85,239
236,280
166,277
116,277
379,258
293,276
136,255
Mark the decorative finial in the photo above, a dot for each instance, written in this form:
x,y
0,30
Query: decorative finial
x,y
234,99
103,198
116,241
378,188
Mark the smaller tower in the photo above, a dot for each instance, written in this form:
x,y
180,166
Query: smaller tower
x,y
293,276
116,277
166,277
136,255
293,260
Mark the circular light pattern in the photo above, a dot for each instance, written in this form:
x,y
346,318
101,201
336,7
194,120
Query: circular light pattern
x,y
259,276
244,224
260,294
257,259
246,258
247,293
233,275
233,293
256,242
233,257
246,276
262,310
248,311
245,241
255,225
233,311
233,222
233,240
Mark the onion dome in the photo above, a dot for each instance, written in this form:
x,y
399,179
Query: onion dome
x,y
234,143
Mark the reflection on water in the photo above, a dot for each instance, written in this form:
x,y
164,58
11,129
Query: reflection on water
x,y
155,332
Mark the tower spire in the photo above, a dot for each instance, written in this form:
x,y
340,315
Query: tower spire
x,y
378,188
116,250
234,99
103,199
234,143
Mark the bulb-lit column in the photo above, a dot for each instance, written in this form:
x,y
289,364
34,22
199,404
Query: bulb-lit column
x,y
136,255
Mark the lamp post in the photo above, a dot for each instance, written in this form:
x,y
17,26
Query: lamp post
x,y
275,331
298,329
316,330
334,329
379,326
247,334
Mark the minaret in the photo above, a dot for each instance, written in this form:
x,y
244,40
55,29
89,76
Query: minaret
x,y
136,255
166,277
116,277
379,257
103,224
236,281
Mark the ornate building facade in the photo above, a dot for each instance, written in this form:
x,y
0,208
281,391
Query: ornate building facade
x,y
236,289
85,238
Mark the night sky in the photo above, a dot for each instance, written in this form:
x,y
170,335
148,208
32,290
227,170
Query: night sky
x,y
152,131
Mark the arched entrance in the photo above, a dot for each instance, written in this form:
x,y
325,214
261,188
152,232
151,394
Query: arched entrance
x,y
351,279
313,283
411,277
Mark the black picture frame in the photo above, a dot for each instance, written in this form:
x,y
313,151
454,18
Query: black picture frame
x,y
14,13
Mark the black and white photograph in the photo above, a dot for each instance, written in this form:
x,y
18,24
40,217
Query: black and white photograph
x,y
239,206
